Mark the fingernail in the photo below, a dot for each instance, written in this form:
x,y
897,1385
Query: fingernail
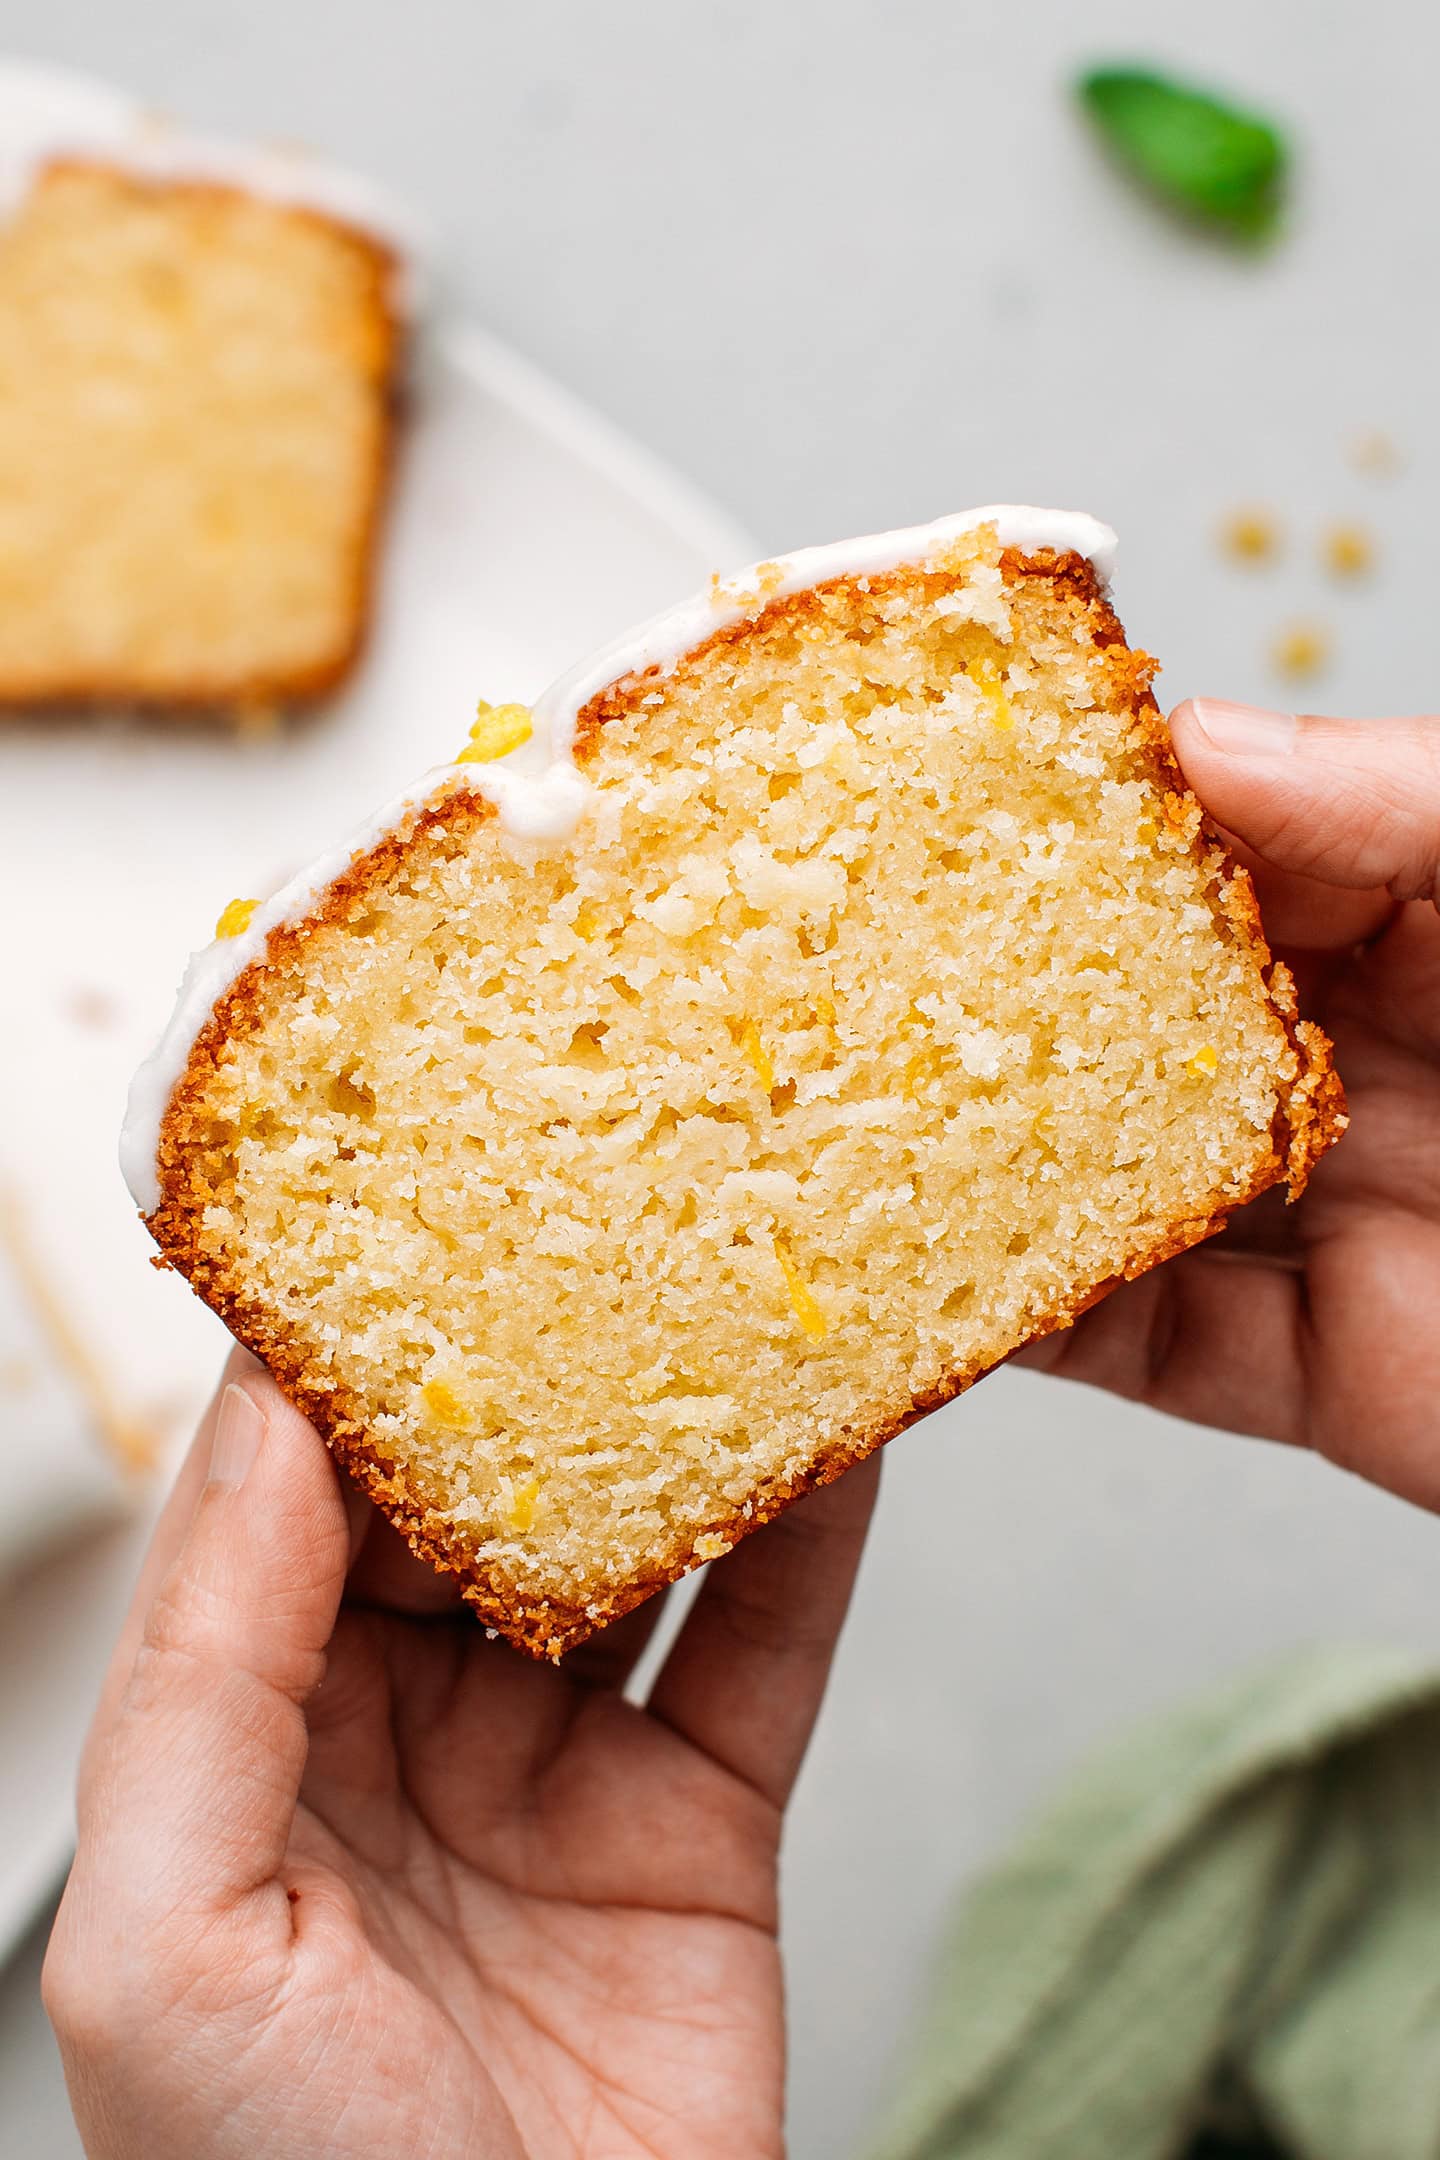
x,y
239,1429
1245,730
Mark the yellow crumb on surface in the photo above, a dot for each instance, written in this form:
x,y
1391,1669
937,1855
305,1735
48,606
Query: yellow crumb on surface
x,y
444,1405
756,1052
586,923
1372,451
825,1009
1347,551
1301,651
495,731
1205,1063
92,1008
987,678
1251,536
802,1297
522,1506
258,720
711,1546
234,918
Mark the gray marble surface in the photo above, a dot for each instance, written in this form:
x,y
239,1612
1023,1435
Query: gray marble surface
x,y
849,265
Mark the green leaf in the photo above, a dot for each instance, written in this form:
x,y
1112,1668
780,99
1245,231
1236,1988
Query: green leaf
x,y
1197,154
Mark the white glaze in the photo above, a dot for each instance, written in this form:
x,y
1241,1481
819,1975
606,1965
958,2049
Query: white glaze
x,y
47,114
661,642
539,794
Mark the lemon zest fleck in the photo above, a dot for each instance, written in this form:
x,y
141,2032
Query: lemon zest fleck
x,y
235,919
522,1505
755,1050
918,1069
445,1406
988,680
495,731
1205,1063
802,1297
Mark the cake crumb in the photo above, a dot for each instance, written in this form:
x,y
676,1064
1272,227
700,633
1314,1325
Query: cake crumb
x,y
1301,651
1348,551
234,918
495,731
1372,451
92,1008
1251,536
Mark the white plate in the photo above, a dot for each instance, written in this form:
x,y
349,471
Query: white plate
x,y
523,532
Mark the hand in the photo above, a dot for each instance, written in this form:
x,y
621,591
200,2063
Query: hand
x,y
1318,1324
353,1879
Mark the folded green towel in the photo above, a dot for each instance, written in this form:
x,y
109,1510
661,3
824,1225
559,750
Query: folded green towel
x,y
1225,1939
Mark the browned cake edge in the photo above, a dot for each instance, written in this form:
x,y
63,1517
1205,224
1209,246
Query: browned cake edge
x,y
300,686
1307,1122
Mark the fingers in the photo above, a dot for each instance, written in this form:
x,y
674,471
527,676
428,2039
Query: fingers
x,y
1302,916
1352,803
188,1790
1219,1340
745,1678
169,1535
386,1573
608,1659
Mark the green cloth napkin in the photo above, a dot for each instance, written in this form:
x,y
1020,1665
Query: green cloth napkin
x,y
1224,1939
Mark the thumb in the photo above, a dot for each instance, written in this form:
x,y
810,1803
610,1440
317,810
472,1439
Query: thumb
x,y
189,1788
1347,802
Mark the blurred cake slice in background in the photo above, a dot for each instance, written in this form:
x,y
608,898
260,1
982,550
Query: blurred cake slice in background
x,y
198,359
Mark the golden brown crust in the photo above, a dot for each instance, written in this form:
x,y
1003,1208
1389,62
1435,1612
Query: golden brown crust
x,y
1307,1122
302,685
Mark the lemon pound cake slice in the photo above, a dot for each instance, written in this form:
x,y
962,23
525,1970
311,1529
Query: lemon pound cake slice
x,y
195,413
651,1117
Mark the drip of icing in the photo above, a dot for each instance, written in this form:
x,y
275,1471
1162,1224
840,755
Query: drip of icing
x,y
46,114
538,792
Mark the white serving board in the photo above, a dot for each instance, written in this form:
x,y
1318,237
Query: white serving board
x,y
523,531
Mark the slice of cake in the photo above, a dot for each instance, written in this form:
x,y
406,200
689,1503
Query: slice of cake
x,y
196,384
646,1121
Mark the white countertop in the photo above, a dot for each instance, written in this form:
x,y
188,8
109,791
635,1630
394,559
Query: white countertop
x,y
848,266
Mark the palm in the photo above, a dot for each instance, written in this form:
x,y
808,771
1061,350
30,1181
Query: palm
x,y
422,1895
1299,1323
554,1909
